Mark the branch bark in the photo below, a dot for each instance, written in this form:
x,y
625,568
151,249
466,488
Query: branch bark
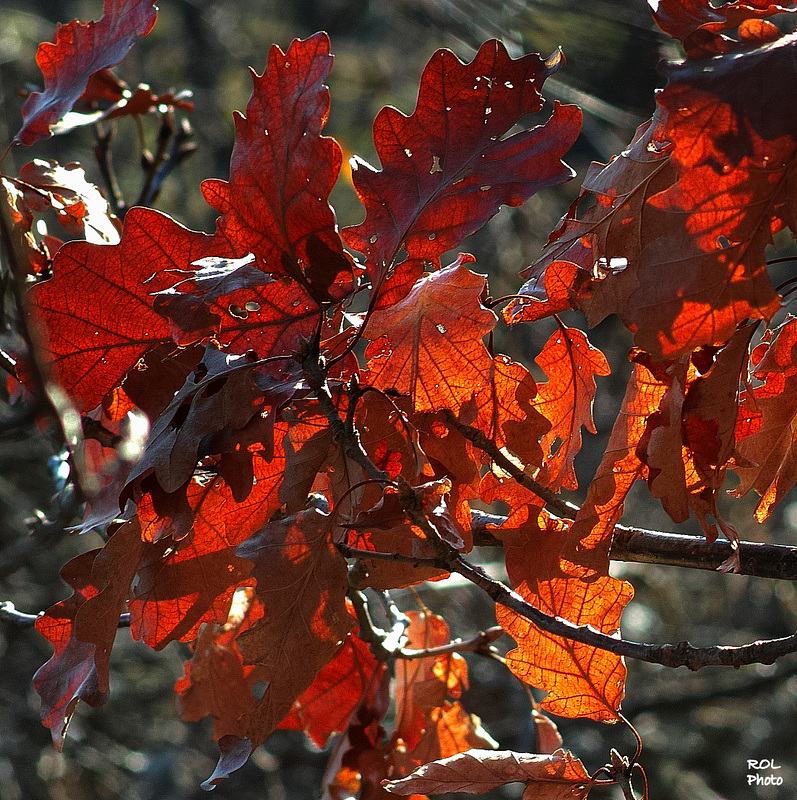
x,y
671,549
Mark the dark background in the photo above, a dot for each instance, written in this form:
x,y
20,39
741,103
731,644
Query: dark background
x,y
698,729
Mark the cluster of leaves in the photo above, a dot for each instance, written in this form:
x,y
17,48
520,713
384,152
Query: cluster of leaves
x,y
282,420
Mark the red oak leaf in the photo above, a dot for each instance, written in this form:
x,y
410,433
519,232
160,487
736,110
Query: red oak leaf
x,y
700,25
446,169
581,681
507,412
566,574
302,582
185,583
82,629
766,454
80,206
81,49
429,346
690,438
275,204
674,243
565,401
98,308
215,682
559,776
430,721
349,679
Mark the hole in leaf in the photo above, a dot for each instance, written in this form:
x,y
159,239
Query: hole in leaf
x,y
213,387
180,416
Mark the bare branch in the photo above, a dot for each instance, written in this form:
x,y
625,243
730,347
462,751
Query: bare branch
x,y
9,613
671,549
475,644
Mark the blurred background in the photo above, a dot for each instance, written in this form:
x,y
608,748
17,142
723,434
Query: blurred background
x,y
699,729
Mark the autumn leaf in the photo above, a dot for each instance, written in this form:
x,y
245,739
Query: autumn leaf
x,y
429,346
275,204
565,401
558,776
215,682
507,412
581,681
701,26
100,307
81,208
430,721
447,168
70,674
32,255
302,582
386,529
592,257
222,395
82,629
327,705
81,49
690,438
674,241
185,583
766,448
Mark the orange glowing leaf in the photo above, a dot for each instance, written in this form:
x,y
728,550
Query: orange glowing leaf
x,y
429,346
565,400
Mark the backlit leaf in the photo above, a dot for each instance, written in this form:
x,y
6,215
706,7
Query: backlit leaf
x,y
82,629
558,776
98,306
581,681
275,204
429,346
327,705
81,49
447,169
565,401
191,581
767,454
302,582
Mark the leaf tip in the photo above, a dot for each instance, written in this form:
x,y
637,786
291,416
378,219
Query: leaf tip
x,y
235,752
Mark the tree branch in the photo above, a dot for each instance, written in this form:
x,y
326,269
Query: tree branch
x,y
671,549
475,644
682,654
9,613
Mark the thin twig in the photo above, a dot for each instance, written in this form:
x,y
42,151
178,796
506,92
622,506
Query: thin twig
x,y
355,552
102,153
475,644
477,438
9,613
